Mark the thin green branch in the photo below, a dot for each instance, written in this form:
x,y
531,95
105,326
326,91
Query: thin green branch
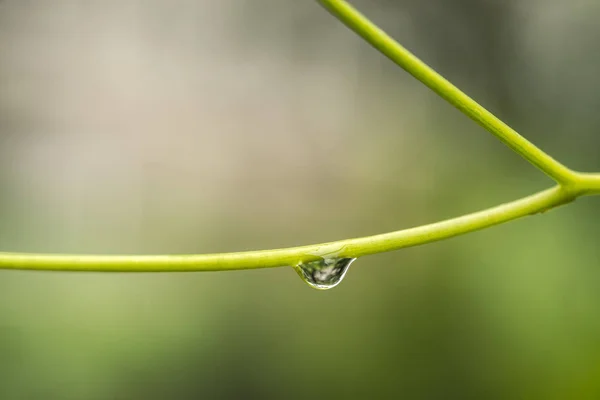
x,y
417,68
352,248
571,185
588,182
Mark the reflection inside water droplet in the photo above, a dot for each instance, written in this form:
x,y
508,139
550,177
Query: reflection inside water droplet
x,y
324,274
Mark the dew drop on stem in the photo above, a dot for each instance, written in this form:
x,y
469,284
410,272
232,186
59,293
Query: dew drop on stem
x,y
325,273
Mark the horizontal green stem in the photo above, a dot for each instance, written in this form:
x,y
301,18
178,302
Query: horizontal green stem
x,y
417,68
539,202
589,183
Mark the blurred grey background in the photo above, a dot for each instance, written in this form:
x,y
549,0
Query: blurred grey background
x,y
185,126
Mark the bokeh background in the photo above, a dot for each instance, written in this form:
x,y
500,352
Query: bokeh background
x,y
195,126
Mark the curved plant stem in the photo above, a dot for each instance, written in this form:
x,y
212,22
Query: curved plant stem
x,y
539,202
571,185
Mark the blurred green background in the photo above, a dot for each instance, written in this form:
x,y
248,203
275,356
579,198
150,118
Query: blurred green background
x,y
195,126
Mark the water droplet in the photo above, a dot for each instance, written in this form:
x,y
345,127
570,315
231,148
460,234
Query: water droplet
x,y
324,274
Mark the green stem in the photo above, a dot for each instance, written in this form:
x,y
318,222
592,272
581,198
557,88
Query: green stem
x,y
589,183
536,203
417,68
571,185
